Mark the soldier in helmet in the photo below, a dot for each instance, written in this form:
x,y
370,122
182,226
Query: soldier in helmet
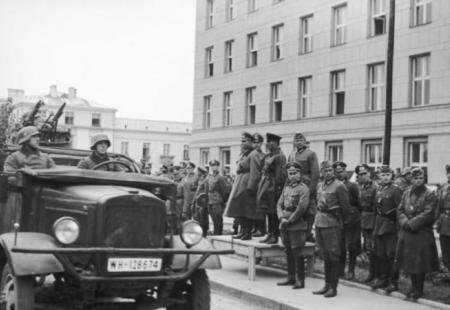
x,y
99,147
29,155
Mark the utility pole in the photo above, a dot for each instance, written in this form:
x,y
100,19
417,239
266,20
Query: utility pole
x,y
389,73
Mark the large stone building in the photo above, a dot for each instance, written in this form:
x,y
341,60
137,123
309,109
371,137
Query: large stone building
x,y
318,67
156,141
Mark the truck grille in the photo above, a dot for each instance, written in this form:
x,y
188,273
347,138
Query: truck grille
x,y
134,223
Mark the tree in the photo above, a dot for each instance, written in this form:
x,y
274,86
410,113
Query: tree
x,y
6,109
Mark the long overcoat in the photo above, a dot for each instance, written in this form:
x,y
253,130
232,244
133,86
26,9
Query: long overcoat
x,y
271,183
416,249
242,200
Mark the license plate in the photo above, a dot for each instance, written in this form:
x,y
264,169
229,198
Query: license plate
x,y
129,264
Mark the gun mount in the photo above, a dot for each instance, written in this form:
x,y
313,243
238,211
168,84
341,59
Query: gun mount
x,y
31,118
51,135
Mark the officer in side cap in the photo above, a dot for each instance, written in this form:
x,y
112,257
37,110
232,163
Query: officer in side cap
x,y
332,202
310,172
271,185
387,199
189,184
368,191
416,251
443,224
292,207
29,155
351,238
241,204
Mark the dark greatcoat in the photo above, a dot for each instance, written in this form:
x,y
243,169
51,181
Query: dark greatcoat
x,y
416,250
242,200
272,182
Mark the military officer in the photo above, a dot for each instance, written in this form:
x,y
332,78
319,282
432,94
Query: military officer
x,y
367,192
292,208
351,239
416,251
242,201
332,203
259,225
310,173
271,185
387,199
443,224
99,147
28,156
189,184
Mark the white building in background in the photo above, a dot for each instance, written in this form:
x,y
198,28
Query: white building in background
x,y
156,141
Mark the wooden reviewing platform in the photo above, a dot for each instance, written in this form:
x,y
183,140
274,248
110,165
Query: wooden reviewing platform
x,y
253,249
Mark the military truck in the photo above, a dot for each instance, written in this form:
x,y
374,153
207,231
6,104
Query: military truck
x,y
103,235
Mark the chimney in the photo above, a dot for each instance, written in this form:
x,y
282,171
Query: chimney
x,y
16,94
53,91
72,92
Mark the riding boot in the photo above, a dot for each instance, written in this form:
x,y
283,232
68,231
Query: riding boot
x,y
299,270
334,279
393,278
383,270
247,228
420,280
351,266
291,269
324,289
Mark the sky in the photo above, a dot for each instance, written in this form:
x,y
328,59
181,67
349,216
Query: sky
x,y
133,55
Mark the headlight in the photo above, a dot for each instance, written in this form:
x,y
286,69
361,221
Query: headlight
x,y
191,233
66,230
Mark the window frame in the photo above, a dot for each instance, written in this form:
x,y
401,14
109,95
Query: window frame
x,y
69,115
304,98
371,86
364,156
166,149
250,105
186,152
408,156
204,160
99,118
276,42
209,62
209,14
334,144
124,147
252,50
339,28
275,101
224,163
306,23
207,102
252,6
425,80
335,91
228,66
227,103
146,150
230,10
373,16
427,12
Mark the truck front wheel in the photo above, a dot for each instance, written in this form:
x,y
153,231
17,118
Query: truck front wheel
x,y
17,293
195,291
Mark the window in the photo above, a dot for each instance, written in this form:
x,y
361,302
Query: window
x,y
227,108
339,25
146,150
276,102
338,92
230,10
69,116
378,9
421,12
124,147
420,80
276,42
225,158
417,152
186,152
252,50
209,13
252,5
304,92
372,153
204,157
305,34
334,151
209,63
166,149
250,104
376,87
207,111
228,56
96,120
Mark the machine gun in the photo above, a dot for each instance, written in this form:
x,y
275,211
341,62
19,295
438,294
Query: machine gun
x,y
51,123
50,135
29,120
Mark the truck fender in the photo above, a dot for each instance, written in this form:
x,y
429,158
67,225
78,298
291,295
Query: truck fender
x,y
179,260
23,264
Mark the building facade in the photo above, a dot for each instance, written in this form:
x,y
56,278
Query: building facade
x,y
157,142
318,67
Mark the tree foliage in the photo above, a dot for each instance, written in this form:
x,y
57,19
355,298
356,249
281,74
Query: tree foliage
x,y
6,109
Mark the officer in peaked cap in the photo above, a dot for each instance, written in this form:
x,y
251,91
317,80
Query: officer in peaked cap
x,y
99,146
28,156
351,239
271,186
292,207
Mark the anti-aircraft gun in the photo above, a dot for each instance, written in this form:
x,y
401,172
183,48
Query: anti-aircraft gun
x,y
51,135
31,117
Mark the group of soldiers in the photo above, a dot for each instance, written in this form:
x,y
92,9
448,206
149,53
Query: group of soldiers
x,y
389,218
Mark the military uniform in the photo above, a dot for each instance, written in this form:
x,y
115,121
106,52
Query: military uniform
x,y
27,158
189,185
293,206
332,203
416,250
94,159
443,225
270,188
200,204
387,199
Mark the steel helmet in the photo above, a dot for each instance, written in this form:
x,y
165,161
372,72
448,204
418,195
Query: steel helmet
x,y
99,138
26,133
